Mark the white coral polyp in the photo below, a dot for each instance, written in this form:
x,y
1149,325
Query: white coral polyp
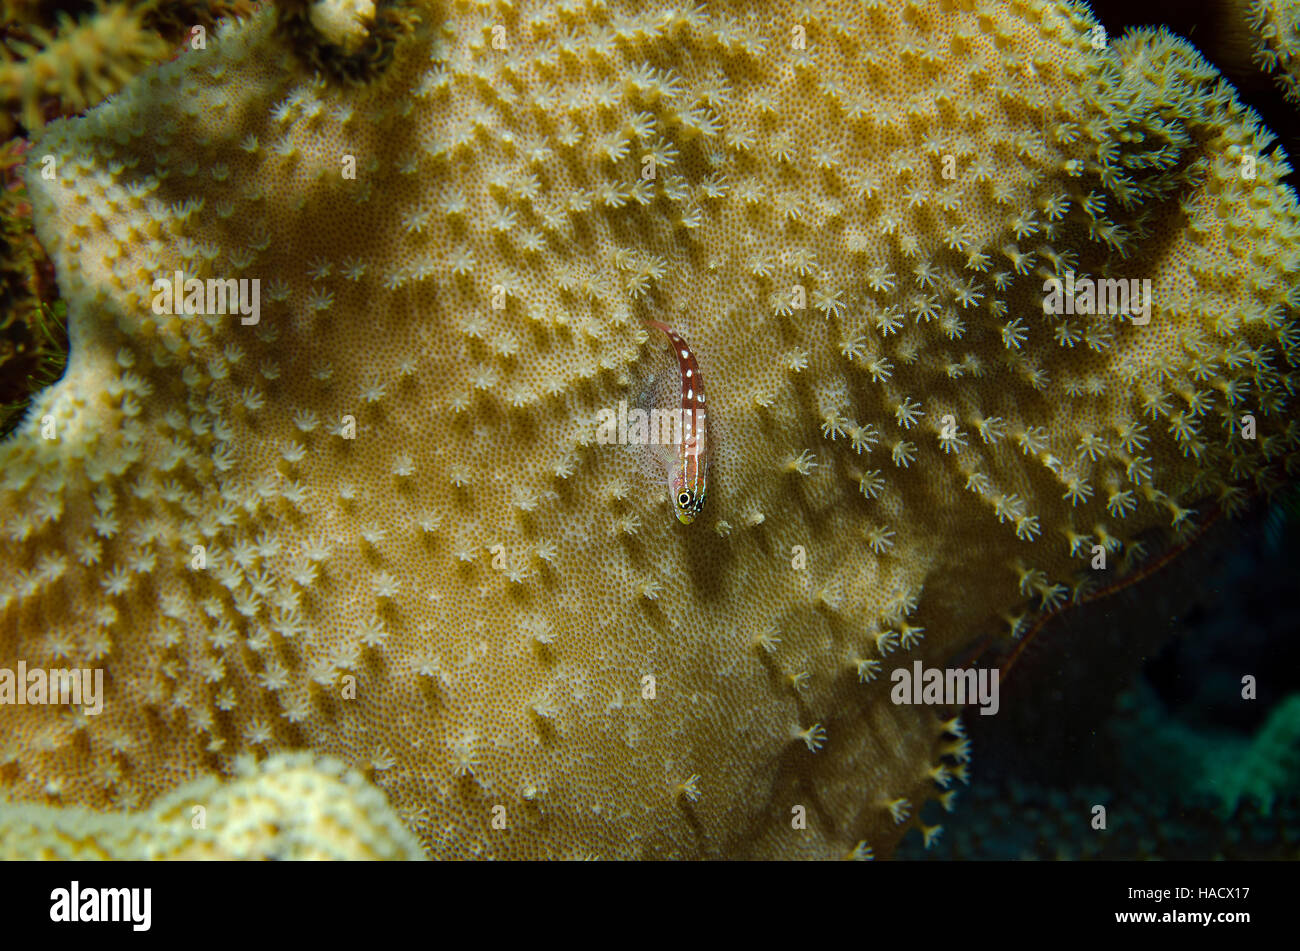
x,y
344,23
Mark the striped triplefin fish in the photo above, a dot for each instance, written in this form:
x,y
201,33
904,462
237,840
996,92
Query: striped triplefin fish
x,y
687,472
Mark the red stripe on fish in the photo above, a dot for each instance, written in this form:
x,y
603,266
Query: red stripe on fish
x,y
687,481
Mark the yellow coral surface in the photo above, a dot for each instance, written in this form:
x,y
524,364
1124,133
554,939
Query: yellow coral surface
x,y
286,807
377,523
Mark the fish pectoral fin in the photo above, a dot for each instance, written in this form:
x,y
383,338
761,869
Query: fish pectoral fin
x,y
666,456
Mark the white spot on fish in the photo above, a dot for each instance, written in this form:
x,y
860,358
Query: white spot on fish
x,y
687,472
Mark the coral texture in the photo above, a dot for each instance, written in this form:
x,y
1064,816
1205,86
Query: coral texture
x,y
1276,26
1268,766
288,806
75,64
344,23
33,346
59,67
377,523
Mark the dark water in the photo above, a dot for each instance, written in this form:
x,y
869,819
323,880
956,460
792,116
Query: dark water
x,y
1137,707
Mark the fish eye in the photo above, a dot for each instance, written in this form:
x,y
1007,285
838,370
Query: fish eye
x,y
684,499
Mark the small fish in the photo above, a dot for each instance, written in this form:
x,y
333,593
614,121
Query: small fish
x,y
687,472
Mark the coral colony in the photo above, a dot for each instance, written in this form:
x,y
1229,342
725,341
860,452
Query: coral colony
x,y
373,527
